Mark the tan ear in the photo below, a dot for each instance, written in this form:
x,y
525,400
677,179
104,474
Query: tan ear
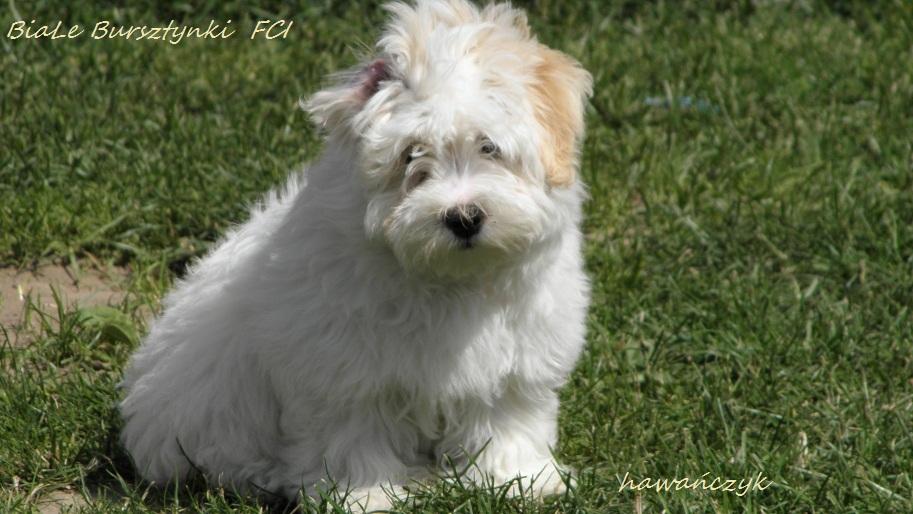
x,y
559,90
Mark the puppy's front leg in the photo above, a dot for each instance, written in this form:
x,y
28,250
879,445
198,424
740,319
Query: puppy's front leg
x,y
509,439
360,447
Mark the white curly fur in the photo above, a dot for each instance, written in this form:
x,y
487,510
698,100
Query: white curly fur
x,y
344,329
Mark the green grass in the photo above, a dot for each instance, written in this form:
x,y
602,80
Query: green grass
x,y
752,257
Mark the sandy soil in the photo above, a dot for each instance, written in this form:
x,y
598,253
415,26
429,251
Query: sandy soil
x,y
86,287
61,501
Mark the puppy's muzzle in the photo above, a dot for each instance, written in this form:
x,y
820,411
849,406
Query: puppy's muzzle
x,y
465,221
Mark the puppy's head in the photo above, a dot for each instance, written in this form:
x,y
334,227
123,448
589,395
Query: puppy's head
x,y
467,131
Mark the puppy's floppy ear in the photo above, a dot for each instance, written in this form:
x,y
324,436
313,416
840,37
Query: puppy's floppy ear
x,y
507,16
331,108
560,89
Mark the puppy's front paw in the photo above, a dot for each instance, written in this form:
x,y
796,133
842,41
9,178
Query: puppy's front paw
x,y
551,480
363,500
541,480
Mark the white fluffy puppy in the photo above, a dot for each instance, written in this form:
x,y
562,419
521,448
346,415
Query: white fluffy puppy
x,y
416,295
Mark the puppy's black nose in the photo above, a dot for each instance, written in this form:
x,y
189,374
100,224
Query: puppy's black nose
x,y
464,221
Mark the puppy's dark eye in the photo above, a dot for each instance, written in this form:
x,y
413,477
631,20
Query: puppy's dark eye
x,y
489,148
413,152
416,179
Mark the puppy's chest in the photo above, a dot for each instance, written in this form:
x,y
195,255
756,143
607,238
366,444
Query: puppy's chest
x,y
434,349
468,353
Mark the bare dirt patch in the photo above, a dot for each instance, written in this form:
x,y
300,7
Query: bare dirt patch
x,y
61,501
83,287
